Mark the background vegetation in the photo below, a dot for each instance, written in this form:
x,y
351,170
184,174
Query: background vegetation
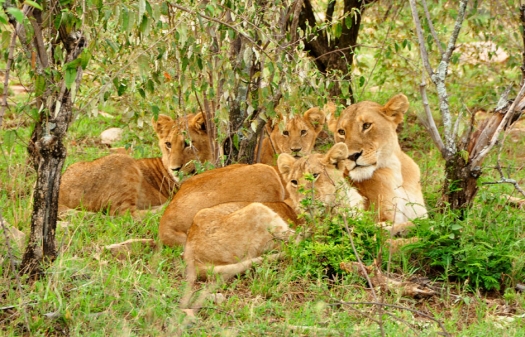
x,y
146,58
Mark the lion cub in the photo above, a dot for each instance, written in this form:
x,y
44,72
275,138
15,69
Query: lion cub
x,y
386,176
117,183
228,238
296,137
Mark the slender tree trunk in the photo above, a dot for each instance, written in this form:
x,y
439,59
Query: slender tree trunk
x,y
47,150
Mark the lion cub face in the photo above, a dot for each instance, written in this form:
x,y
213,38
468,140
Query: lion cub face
x,y
297,136
369,131
321,172
182,141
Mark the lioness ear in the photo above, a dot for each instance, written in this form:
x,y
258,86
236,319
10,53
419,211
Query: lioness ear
x,y
396,107
316,118
162,125
198,122
285,163
337,153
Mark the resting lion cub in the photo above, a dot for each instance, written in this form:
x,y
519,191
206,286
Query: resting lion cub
x,y
117,183
386,176
296,138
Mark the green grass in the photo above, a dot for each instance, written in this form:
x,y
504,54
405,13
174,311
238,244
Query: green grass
x,y
87,291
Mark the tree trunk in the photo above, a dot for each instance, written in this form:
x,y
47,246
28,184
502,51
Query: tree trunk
x,y
48,153
461,184
334,56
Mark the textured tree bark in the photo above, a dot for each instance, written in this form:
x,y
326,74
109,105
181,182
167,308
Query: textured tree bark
x,y
48,153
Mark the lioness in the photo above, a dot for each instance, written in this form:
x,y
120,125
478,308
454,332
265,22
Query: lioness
x,y
296,137
118,183
386,176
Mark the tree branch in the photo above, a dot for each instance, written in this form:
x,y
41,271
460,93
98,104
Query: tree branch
x,y
431,26
420,38
429,122
10,59
439,80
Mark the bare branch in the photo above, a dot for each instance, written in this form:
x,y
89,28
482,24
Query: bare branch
x,y
381,304
439,80
10,58
420,38
39,38
522,19
187,10
431,26
11,258
295,22
430,124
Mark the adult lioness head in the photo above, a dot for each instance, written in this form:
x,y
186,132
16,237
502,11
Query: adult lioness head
x,y
321,172
295,136
369,131
182,141
386,176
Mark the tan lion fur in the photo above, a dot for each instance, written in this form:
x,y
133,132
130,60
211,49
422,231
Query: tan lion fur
x,y
386,176
117,183
295,136
183,141
234,183
327,172
227,239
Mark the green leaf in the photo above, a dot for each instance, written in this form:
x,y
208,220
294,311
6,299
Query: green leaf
x,y
348,22
456,227
144,64
362,81
84,58
40,85
150,86
32,4
338,30
142,93
16,13
71,75
125,18
9,138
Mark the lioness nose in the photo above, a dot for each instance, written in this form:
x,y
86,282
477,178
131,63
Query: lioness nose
x,y
176,169
297,149
354,156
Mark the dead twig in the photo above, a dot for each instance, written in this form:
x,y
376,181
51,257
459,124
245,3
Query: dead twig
x,y
13,267
387,305
365,273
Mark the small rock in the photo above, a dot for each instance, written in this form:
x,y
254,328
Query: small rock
x,y
111,135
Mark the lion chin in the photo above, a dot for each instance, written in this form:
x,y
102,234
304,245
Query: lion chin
x,y
360,173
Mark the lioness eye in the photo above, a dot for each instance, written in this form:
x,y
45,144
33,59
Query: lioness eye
x,y
294,182
366,126
168,145
303,132
315,175
286,133
341,132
